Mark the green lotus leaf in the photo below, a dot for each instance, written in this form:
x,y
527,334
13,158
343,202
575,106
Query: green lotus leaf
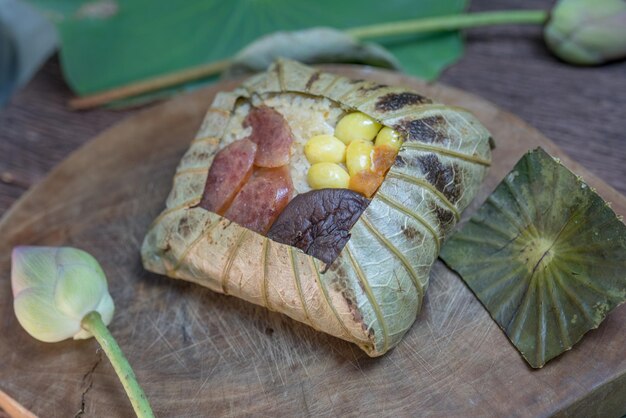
x,y
109,43
545,255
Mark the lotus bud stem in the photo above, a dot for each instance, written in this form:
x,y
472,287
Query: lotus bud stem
x,y
61,293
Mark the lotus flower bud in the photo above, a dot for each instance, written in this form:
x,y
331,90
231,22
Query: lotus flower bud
x,y
587,32
54,288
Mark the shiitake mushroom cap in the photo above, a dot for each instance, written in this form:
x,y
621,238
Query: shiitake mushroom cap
x,y
319,221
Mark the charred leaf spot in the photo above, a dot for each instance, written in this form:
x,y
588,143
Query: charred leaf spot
x,y
312,80
358,318
319,222
400,161
396,101
348,298
184,228
357,81
338,281
338,269
430,130
340,285
410,232
444,216
372,87
445,177
209,237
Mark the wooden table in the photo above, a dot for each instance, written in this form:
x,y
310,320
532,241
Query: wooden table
x,y
581,109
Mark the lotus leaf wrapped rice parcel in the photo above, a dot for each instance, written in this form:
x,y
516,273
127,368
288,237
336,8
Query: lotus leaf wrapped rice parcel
x,y
339,233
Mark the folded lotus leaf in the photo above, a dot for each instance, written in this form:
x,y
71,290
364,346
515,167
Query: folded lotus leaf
x,y
545,255
373,291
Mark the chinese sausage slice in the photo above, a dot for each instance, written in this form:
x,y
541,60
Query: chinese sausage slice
x,y
272,135
262,199
231,168
321,197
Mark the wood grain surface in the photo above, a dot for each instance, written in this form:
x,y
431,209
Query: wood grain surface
x,y
203,354
581,109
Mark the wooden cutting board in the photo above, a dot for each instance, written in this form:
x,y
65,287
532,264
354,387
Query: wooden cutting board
x,y
198,353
